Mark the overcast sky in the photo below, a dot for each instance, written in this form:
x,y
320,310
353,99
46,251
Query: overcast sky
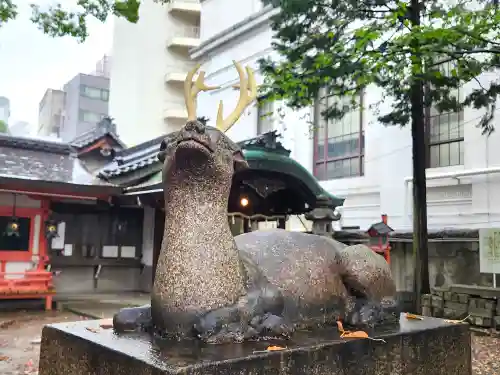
x,y
31,62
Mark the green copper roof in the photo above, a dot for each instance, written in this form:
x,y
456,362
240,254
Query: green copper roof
x,y
263,153
269,160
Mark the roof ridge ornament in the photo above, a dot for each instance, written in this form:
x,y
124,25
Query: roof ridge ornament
x,y
248,93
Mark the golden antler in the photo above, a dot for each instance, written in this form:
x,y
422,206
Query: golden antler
x,y
191,90
248,93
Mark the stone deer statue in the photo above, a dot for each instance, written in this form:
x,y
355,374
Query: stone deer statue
x,y
219,288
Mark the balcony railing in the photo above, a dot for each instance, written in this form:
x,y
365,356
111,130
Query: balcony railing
x,y
183,68
174,102
189,32
177,73
187,36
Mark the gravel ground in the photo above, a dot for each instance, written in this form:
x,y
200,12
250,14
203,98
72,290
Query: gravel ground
x,y
20,344
20,339
485,355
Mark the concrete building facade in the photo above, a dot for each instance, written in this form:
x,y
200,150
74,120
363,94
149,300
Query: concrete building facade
x,y
51,113
357,158
4,109
150,61
21,129
103,67
86,103
76,109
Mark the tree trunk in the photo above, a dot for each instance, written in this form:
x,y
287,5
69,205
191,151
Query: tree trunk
x,y
420,243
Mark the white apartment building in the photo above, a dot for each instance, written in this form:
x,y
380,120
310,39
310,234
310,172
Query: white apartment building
x,y
150,61
4,109
102,67
356,158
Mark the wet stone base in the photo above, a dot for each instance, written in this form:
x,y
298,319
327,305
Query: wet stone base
x,y
428,347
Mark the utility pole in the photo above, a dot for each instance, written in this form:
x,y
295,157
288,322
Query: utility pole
x,y
419,151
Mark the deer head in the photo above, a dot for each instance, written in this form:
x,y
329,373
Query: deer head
x,y
200,151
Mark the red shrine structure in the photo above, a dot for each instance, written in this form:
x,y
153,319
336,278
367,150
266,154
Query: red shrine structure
x,y
379,238
35,174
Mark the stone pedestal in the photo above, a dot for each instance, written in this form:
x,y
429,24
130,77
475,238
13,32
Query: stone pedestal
x,y
427,347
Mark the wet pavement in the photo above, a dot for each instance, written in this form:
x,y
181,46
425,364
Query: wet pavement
x,y
20,334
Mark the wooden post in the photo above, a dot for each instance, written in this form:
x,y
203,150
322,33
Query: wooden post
x,y
282,223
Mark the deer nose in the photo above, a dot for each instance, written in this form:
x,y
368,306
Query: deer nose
x,y
195,126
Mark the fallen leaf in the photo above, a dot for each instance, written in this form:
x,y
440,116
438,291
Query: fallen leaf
x,y
355,334
94,330
274,348
457,321
414,317
4,358
106,323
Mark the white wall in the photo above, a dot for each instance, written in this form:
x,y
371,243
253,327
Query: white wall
x,y
226,13
465,202
138,93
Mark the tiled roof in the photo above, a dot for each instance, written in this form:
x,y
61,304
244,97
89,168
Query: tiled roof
x,y
90,137
104,128
44,160
381,228
35,144
132,159
93,135
36,159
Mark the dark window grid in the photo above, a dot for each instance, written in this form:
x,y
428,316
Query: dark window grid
x,y
82,116
445,139
355,157
444,135
103,93
265,113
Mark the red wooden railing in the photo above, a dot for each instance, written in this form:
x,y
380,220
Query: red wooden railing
x,y
26,285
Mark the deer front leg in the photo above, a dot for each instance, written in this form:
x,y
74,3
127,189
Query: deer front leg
x,y
133,319
257,314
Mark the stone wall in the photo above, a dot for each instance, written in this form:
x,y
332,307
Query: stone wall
x,y
81,280
449,263
477,305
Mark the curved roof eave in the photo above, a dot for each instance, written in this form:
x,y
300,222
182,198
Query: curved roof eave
x,y
261,159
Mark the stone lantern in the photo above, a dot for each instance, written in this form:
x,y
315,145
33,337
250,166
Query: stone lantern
x,y
322,217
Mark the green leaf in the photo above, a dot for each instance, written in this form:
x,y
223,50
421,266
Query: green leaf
x,y
3,127
57,20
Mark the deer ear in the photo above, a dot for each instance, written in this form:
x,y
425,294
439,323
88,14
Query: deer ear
x,y
239,161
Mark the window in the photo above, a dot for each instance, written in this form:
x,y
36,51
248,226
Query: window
x,y
94,93
445,135
87,116
265,116
338,144
15,243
